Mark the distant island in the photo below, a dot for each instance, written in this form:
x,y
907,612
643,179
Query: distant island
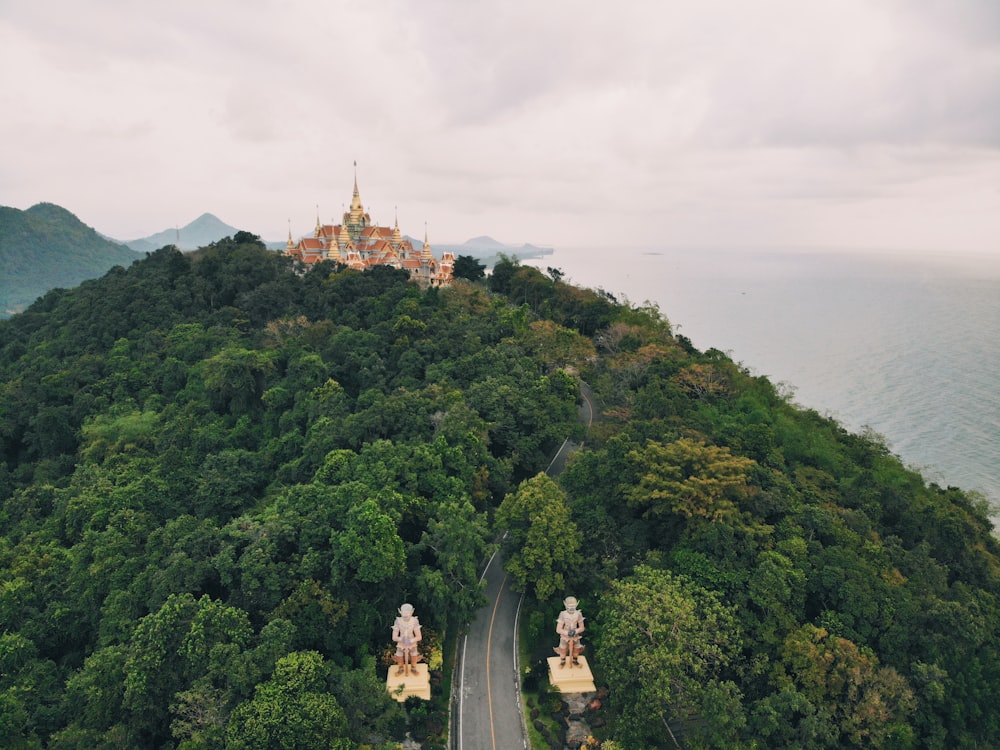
x,y
489,250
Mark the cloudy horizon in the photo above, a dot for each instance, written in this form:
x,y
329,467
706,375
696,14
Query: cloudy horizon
x,y
715,123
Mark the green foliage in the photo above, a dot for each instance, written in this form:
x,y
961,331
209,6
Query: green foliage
x,y
170,648
368,707
369,550
107,434
211,462
665,644
795,523
544,542
690,479
458,537
46,247
833,694
582,309
291,711
467,267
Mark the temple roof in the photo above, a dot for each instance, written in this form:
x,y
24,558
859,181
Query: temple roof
x,y
365,245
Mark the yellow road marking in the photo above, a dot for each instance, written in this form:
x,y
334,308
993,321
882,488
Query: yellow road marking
x,y
489,650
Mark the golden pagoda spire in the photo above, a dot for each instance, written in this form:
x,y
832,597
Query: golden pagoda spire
x,y
397,236
356,198
426,252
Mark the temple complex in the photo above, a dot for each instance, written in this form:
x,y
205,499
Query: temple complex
x,y
359,244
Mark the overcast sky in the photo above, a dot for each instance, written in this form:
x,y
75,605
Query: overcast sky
x,y
863,123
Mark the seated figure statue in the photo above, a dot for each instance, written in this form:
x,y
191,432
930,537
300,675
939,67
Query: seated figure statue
x,y
406,634
570,628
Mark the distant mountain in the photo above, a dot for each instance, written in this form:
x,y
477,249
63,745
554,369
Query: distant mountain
x,y
485,241
488,250
46,247
484,249
204,230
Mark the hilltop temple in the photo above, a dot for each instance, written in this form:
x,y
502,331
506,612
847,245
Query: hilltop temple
x,y
359,244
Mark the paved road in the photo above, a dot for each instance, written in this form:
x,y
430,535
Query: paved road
x,y
488,714
586,414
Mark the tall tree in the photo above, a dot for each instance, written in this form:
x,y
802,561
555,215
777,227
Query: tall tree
x,y
467,267
291,711
370,547
664,645
832,693
690,478
186,641
458,537
544,542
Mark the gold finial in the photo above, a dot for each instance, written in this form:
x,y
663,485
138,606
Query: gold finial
x,y
425,253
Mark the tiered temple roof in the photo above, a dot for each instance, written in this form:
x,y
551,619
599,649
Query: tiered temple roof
x,y
359,244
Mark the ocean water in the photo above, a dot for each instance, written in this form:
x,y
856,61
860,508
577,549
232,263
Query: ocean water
x,y
907,345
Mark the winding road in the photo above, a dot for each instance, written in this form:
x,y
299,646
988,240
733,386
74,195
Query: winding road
x,y
486,710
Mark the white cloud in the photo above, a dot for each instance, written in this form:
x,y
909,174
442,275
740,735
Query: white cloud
x,y
715,122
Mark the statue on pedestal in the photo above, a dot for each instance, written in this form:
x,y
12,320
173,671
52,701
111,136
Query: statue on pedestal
x,y
406,634
570,628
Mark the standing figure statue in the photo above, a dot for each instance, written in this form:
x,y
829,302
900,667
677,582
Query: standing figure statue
x,y
406,634
570,628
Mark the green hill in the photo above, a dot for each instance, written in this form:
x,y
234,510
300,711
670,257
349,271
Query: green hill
x,y
220,478
46,247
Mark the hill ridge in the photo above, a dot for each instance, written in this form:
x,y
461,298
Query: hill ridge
x,y
47,246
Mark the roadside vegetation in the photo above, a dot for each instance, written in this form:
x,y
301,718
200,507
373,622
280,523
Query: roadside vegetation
x,y
220,476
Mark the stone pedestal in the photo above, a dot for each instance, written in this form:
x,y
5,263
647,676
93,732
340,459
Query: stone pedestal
x,y
570,679
402,686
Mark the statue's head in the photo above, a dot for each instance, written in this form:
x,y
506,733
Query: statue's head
x,y
570,603
406,610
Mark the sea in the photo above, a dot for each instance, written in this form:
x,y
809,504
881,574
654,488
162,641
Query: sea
x,y
904,344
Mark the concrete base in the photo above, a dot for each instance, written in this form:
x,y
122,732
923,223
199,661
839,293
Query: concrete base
x,y
570,679
402,686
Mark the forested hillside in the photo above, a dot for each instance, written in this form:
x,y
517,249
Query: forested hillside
x,y
221,475
46,247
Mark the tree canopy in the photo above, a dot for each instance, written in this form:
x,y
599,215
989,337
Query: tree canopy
x,y
219,476
221,473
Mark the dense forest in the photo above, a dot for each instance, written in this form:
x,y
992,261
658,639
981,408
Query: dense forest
x,y
221,474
